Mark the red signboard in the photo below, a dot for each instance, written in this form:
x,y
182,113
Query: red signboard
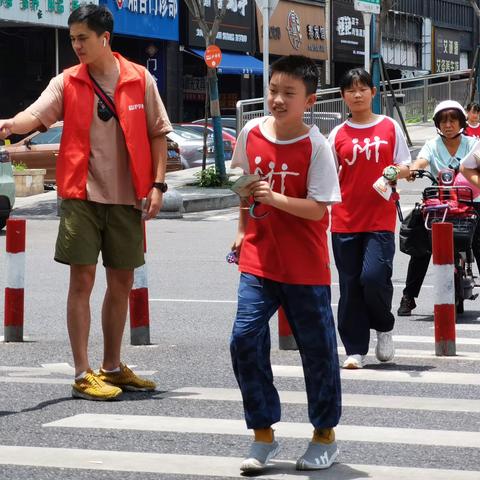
x,y
213,56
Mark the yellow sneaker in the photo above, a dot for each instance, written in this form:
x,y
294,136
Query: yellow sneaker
x,y
91,387
127,380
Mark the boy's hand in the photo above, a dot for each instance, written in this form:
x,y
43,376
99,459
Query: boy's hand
x,y
237,244
263,193
6,127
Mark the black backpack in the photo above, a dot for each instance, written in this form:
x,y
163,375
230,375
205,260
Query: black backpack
x,y
414,237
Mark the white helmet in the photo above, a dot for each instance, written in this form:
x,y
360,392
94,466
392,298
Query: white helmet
x,y
450,105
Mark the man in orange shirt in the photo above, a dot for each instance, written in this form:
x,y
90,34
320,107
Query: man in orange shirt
x,y
112,155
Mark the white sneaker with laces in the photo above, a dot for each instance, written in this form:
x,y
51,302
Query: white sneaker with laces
x,y
354,362
385,350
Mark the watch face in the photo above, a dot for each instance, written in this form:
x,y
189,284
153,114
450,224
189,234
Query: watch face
x,y
162,186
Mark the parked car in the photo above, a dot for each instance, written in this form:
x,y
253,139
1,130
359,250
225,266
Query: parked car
x,y
7,187
199,127
40,150
228,121
190,143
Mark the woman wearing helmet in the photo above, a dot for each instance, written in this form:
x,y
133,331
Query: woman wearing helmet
x,y
443,151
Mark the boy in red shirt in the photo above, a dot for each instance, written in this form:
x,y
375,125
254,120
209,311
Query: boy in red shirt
x,y
283,260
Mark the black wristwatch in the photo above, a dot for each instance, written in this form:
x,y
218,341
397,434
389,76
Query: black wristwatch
x,y
162,186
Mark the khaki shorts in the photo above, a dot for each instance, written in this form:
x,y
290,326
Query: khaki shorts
x,y
87,228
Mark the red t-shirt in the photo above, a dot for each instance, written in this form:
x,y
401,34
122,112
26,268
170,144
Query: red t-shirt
x,y
472,131
281,246
362,152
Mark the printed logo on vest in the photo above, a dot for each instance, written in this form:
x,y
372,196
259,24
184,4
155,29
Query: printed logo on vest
x,y
136,106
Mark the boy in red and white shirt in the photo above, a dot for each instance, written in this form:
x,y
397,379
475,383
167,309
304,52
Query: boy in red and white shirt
x,y
363,225
283,260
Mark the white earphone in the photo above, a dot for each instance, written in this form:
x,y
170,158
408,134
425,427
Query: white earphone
x,y
104,42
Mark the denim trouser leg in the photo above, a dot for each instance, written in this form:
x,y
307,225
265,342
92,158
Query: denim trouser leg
x,y
377,279
364,262
250,351
353,321
309,312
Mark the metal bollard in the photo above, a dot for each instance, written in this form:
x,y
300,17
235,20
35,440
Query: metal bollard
x,y
444,288
138,303
286,340
14,289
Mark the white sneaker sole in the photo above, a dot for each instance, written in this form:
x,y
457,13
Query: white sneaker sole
x,y
254,465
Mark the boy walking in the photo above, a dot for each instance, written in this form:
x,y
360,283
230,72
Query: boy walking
x,y
284,261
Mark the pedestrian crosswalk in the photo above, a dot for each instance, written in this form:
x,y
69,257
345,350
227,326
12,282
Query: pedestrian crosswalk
x,y
393,392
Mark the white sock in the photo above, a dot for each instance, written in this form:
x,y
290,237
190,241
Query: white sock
x,y
115,370
81,375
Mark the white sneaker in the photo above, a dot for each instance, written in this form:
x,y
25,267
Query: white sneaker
x,y
385,350
354,362
259,455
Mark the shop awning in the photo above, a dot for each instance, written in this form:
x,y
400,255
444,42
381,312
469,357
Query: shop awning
x,y
236,63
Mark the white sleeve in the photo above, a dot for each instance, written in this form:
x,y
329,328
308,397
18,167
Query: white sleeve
x,y
239,157
322,179
472,160
331,141
402,154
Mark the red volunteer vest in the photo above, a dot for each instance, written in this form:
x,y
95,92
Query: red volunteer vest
x,y
281,246
78,101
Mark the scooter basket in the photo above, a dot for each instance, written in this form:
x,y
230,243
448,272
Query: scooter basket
x,y
463,227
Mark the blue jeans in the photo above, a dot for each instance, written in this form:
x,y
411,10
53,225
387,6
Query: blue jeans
x,y
309,313
364,263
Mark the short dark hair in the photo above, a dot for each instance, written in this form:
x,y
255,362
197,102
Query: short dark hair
x,y
298,66
97,17
473,107
353,76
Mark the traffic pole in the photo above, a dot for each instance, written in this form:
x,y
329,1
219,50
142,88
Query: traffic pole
x,y
14,289
138,303
444,288
286,340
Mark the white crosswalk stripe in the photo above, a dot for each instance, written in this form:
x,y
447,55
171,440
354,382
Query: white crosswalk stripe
x,y
212,466
218,466
217,426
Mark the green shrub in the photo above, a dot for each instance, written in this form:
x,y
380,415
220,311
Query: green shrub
x,y
209,178
19,166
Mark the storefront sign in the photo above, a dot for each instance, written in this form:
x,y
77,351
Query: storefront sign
x,y
235,32
367,6
145,18
51,13
348,34
295,28
447,51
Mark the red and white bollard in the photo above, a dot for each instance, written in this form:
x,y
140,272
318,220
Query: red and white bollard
x,y
138,303
286,340
444,288
14,287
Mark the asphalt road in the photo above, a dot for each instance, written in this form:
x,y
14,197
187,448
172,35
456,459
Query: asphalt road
x,y
430,432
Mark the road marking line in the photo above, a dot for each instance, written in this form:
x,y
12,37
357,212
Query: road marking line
x,y
208,466
218,426
348,400
419,339
474,327
387,375
407,353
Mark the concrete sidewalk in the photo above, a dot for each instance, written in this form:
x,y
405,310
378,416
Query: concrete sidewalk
x,y
183,196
